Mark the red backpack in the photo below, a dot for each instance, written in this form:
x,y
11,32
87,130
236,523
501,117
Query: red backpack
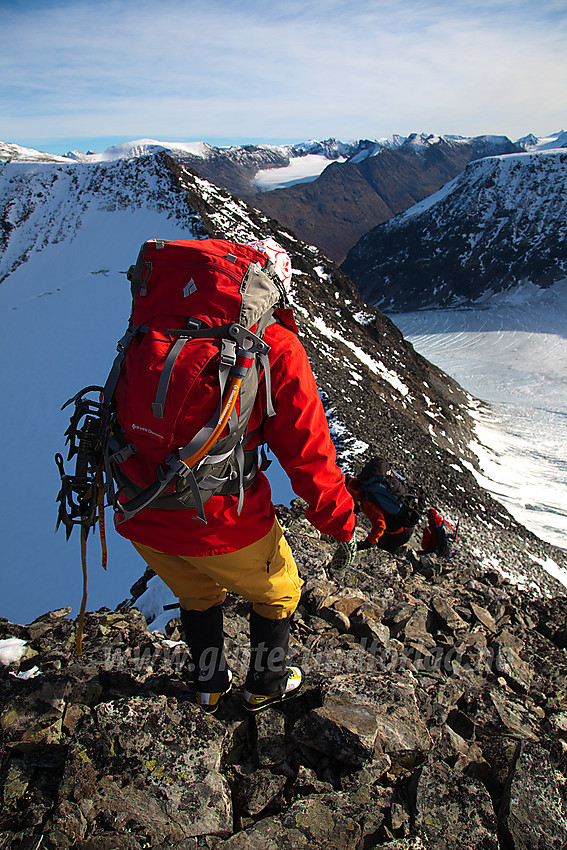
x,y
173,413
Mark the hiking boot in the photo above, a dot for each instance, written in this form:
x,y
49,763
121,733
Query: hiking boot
x,y
267,673
210,701
259,702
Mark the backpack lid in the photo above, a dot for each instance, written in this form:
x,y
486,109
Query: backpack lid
x,y
376,467
208,279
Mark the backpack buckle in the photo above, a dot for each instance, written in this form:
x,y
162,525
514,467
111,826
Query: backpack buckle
x,y
228,353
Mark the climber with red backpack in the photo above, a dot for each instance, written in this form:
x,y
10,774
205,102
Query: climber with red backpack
x,y
210,370
439,536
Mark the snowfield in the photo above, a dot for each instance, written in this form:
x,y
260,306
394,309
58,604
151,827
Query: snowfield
x,y
512,354
302,169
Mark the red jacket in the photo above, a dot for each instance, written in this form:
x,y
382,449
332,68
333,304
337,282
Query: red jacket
x,y
430,541
299,437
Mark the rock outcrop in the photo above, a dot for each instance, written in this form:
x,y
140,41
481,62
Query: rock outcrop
x,y
434,716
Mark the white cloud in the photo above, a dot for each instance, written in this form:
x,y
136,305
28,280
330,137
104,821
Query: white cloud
x,y
185,69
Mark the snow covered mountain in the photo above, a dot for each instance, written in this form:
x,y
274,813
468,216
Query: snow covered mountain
x,y
10,152
500,224
68,233
533,143
330,193
350,198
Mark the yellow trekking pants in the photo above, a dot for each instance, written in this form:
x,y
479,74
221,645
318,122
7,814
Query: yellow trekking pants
x,y
264,573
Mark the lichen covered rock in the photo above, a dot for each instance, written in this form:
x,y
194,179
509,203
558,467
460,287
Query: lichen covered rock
x,y
420,683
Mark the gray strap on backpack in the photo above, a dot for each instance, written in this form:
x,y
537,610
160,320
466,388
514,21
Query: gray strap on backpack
x,y
226,362
122,345
270,411
190,477
165,377
172,468
266,320
239,458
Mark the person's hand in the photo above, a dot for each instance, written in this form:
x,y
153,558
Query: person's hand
x,y
343,556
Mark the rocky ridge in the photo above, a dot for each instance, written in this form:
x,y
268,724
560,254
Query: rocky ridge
x,y
434,716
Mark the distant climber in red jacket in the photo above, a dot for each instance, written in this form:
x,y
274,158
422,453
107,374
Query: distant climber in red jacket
x,y
438,535
247,553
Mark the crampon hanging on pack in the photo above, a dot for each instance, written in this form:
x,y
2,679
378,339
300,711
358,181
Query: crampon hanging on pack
x,y
168,427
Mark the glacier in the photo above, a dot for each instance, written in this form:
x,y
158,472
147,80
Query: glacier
x,y
511,354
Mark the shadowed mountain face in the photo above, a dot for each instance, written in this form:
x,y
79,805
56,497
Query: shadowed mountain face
x,y
350,198
501,223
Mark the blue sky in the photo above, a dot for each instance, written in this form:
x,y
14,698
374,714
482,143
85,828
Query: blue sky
x,y
87,73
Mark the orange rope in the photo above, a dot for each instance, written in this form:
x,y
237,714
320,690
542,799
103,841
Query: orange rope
x,y
81,620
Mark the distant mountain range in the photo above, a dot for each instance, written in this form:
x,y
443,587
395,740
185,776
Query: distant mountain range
x,y
329,193
499,224
349,198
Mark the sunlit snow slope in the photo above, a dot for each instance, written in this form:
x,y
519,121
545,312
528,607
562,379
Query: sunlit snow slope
x,y
61,312
512,354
